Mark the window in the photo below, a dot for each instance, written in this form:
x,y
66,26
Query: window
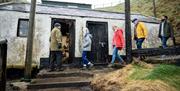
x,y
23,26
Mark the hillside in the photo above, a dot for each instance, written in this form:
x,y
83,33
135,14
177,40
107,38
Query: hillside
x,y
139,77
171,8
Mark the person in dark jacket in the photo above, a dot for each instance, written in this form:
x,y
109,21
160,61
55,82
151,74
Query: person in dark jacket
x,y
165,31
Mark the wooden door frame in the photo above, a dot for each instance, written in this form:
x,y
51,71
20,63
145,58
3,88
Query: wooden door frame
x,y
72,46
106,29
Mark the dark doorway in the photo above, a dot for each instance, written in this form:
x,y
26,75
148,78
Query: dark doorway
x,y
68,40
99,31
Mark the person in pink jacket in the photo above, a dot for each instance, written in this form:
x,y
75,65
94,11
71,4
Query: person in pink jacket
x,y
118,44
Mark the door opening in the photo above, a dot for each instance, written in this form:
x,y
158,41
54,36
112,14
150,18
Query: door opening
x,y
68,33
99,51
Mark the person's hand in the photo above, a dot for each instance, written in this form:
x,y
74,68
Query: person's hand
x,y
135,38
59,45
159,36
113,46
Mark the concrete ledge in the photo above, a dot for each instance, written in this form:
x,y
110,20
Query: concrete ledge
x,y
64,74
58,85
156,51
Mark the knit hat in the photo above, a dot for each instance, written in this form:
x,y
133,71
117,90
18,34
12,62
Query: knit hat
x,y
134,20
57,25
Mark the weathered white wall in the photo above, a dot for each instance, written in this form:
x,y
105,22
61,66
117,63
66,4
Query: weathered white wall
x,y
17,45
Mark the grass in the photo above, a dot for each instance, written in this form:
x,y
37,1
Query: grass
x,y
170,74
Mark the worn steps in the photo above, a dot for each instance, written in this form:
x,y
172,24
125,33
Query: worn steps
x,y
58,85
72,80
64,74
60,79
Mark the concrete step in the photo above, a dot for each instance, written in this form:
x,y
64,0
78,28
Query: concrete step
x,y
68,80
64,74
70,84
59,79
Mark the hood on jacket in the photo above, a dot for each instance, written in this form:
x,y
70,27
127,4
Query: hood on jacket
x,y
120,30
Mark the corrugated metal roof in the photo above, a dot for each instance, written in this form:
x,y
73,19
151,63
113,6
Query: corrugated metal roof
x,y
56,10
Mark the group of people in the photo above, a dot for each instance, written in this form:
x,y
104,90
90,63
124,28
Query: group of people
x,y
140,34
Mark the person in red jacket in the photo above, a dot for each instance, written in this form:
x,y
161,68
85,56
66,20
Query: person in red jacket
x,y
118,44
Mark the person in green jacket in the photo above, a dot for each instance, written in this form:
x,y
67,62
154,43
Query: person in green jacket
x,y
56,47
165,31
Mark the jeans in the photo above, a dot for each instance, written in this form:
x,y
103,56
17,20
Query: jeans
x,y
55,58
84,58
115,54
164,41
139,43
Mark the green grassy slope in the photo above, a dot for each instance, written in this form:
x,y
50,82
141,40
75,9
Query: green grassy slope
x,y
168,73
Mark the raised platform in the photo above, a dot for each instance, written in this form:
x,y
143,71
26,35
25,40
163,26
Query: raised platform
x,y
157,51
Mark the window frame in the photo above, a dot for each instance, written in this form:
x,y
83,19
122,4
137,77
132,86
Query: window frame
x,y
18,27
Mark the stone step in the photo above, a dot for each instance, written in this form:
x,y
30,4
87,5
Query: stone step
x,y
70,84
59,79
64,74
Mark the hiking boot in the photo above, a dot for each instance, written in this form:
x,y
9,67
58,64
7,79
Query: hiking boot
x,y
123,63
110,65
91,65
